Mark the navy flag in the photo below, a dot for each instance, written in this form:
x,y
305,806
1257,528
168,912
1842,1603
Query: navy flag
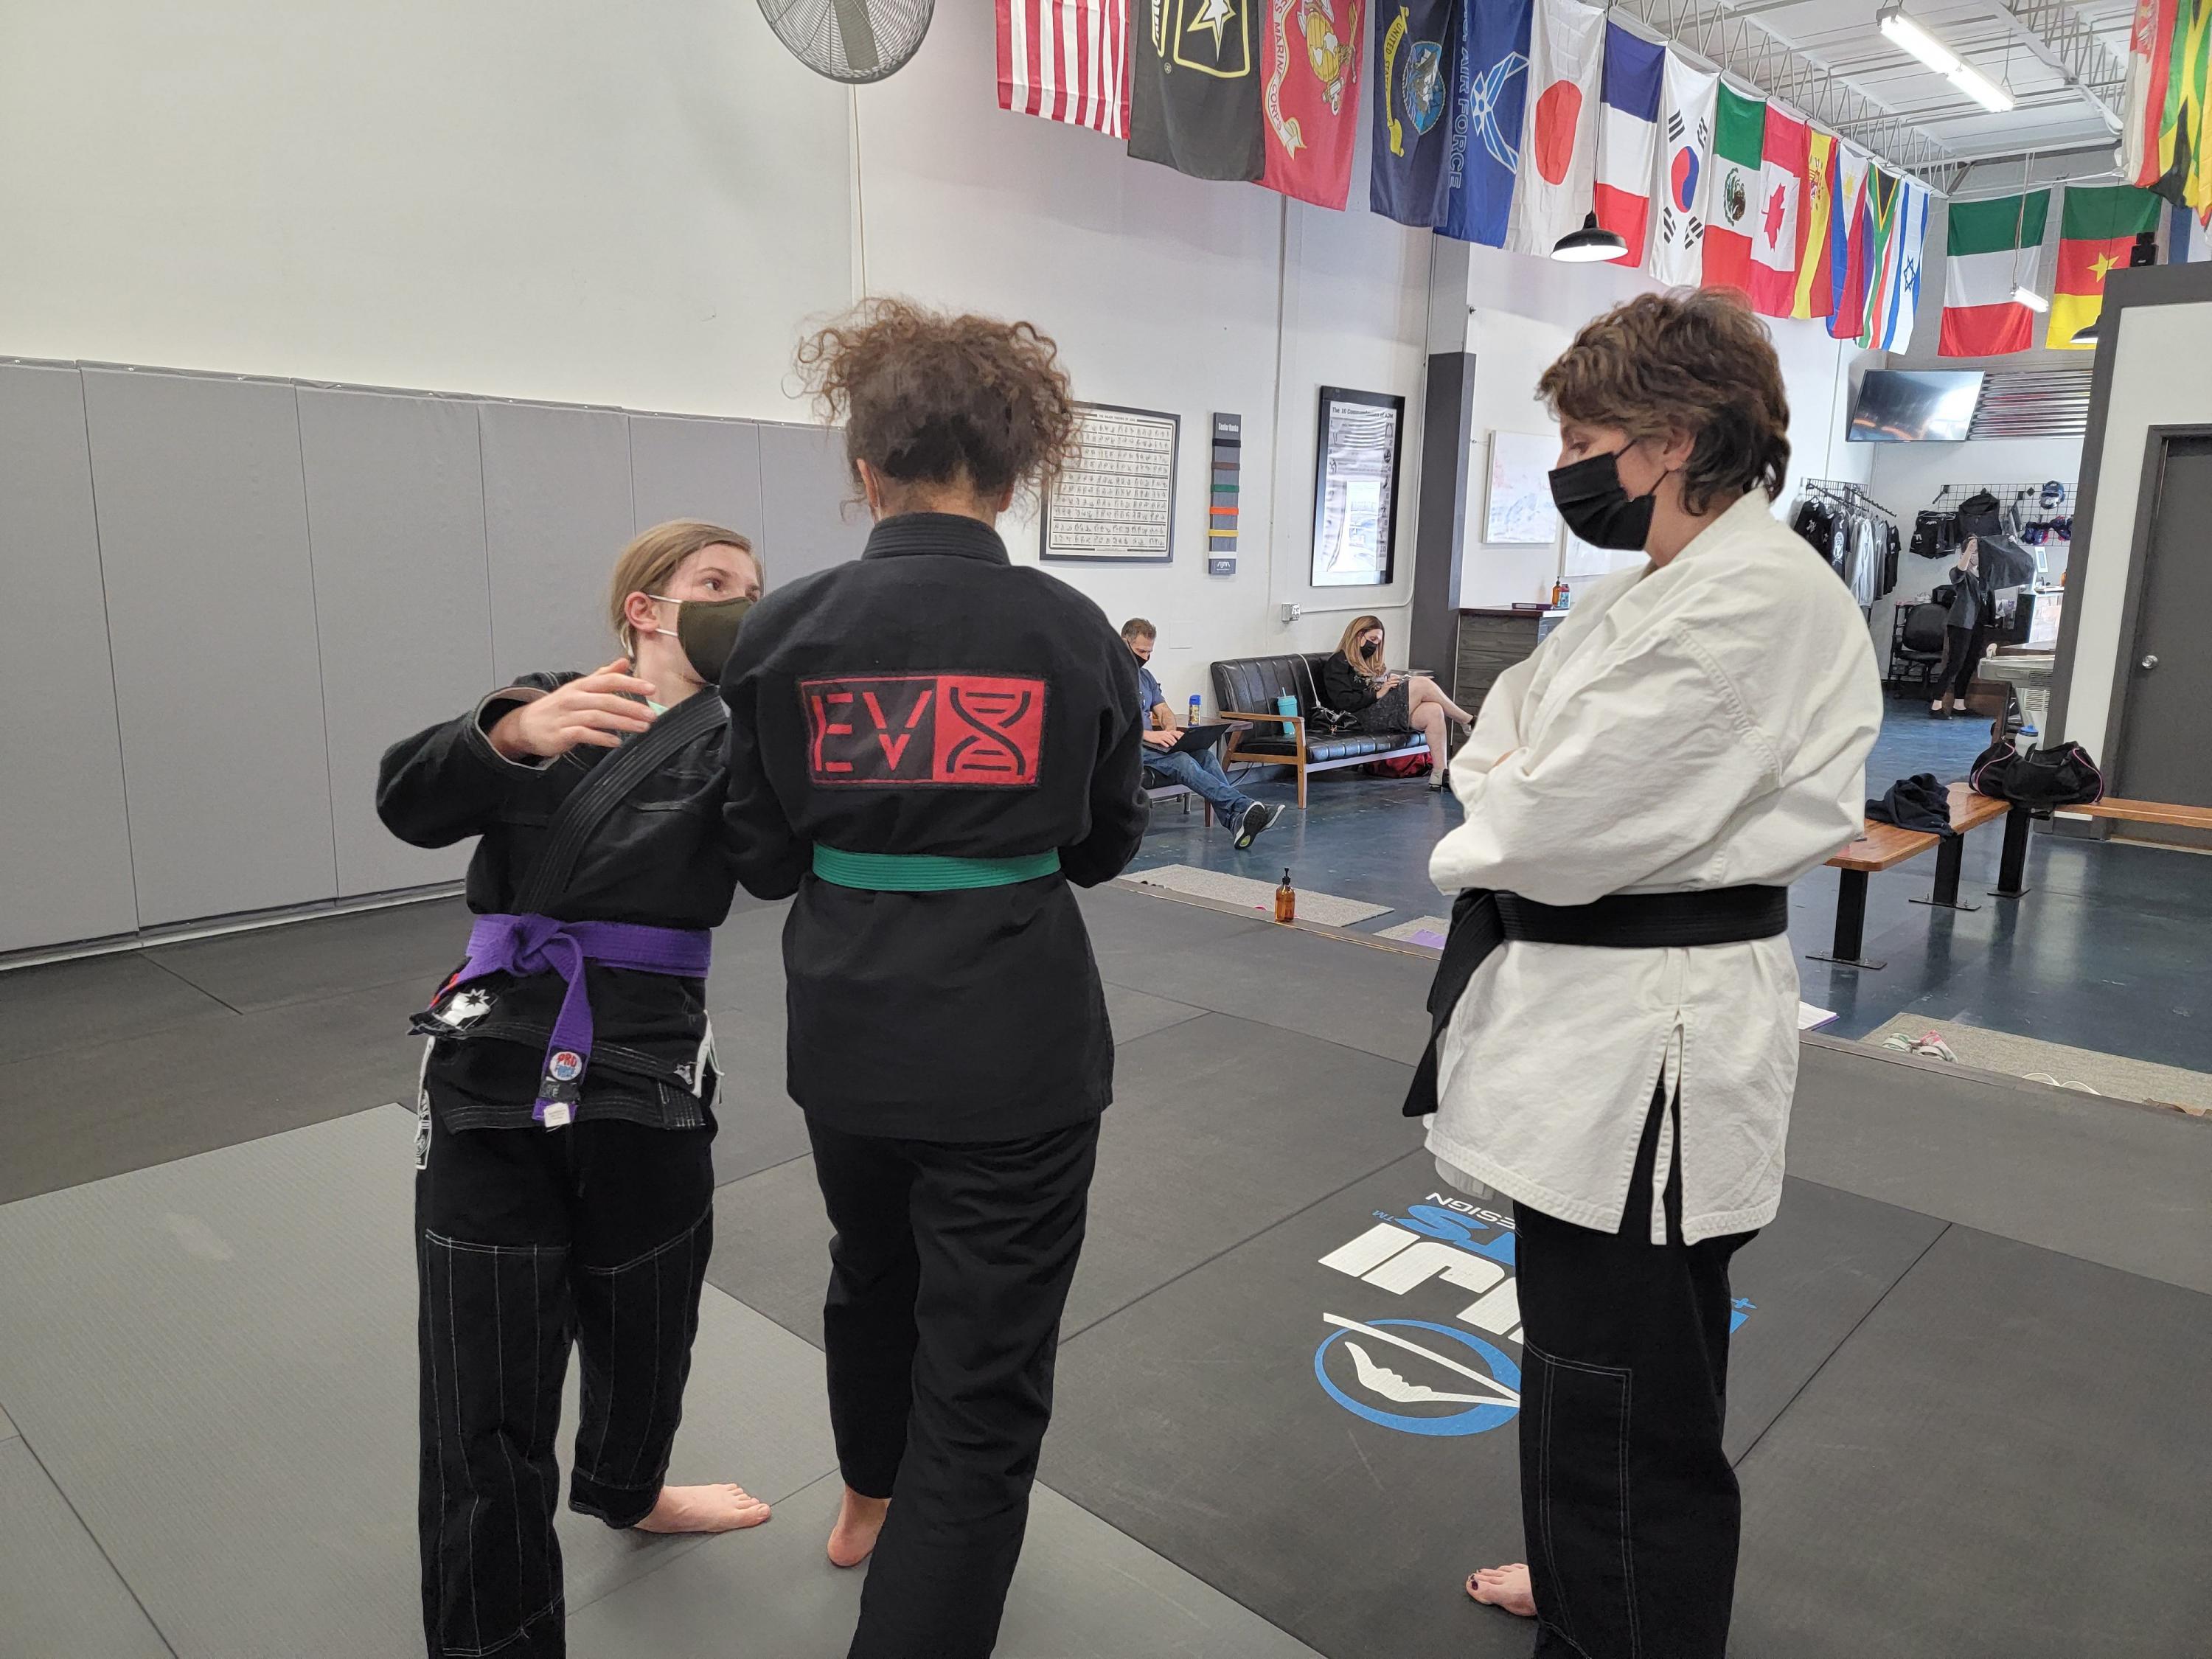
x,y
1419,48
1195,85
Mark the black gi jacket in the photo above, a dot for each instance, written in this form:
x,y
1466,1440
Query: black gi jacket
x,y
1344,688
660,858
935,698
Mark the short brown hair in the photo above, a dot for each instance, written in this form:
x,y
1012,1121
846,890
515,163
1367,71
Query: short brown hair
x,y
653,556
1697,363
929,398
1138,629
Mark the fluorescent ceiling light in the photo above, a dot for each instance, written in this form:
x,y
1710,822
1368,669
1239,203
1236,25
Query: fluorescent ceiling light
x,y
1902,31
1979,88
2022,294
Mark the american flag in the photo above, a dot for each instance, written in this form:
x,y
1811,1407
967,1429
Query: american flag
x,y
1066,60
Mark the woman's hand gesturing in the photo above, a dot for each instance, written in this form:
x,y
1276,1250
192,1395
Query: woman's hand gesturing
x,y
600,709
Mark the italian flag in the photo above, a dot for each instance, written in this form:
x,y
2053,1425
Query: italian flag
x,y
1994,245
2096,231
1739,143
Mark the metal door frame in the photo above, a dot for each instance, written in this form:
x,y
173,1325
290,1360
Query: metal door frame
x,y
2158,443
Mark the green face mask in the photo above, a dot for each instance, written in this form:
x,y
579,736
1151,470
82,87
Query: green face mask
x,y
707,631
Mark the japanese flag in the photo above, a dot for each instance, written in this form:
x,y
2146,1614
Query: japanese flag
x,y
1558,137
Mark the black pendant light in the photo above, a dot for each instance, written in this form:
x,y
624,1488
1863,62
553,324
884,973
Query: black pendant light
x,y
1590,244
2088,334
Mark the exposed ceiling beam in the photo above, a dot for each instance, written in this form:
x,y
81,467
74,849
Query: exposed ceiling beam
x,y
2062,38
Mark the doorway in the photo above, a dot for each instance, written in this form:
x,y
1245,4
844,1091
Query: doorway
x,y
2166,676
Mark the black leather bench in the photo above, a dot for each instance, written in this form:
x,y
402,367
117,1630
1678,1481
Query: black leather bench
x,y
1246,688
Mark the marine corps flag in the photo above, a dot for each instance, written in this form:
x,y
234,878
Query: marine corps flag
x,y
1311,97
1195,85
1418,45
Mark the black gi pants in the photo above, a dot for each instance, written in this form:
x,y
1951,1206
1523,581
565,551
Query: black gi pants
x,y
1630,1505
525,1238
1963,650
948,1274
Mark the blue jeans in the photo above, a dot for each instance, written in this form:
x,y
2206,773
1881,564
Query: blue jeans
x,y
1205,778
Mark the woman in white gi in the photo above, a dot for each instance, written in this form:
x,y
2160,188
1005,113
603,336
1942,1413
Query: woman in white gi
x,y
1689,741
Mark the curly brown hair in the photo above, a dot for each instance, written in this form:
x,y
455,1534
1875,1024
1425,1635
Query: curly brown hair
x,y
1696,363
929,398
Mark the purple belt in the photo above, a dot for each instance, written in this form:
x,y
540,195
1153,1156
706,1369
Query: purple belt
x,y
537,945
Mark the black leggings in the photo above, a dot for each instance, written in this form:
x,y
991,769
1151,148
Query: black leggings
x,y
1962,656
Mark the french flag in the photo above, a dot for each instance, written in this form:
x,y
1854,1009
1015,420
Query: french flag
x,y
1628,137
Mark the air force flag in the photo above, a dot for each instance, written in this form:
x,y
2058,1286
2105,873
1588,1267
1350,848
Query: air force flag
x,y
1497,108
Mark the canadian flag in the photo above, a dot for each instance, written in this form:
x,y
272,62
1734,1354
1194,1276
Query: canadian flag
x,y
1559,135
1628,138
1774,217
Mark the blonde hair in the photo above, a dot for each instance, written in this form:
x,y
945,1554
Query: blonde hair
x,y
1350,644
649,561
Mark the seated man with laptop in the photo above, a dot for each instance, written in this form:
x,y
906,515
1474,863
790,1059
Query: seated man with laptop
x,y
1190,758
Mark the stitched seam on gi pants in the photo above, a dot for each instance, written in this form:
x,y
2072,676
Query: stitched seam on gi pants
x,y
521,1631
1628,1383
684,1238
688,1239
1544,1477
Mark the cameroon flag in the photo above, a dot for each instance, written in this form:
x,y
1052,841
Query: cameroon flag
x,y
2095,231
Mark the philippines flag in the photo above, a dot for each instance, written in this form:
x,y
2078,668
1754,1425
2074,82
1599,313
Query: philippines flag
x,y
1066,60
1628,138
1848,251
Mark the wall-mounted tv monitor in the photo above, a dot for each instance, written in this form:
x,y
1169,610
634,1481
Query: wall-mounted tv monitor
x,y
1906,406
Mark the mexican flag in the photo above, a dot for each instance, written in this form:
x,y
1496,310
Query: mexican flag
x,y
2169,84
1739,142
1994,245
2096,230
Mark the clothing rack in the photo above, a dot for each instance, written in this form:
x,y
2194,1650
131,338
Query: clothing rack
x,y
1850,492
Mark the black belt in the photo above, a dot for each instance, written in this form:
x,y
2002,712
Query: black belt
x,y
1483,919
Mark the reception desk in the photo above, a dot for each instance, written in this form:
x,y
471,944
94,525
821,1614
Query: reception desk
x,y
1490,641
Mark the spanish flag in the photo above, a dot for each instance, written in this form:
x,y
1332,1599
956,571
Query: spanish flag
x,y
2096,229
1816,282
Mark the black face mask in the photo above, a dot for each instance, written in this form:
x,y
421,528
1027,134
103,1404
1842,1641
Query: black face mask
x,y
1596,507
707,631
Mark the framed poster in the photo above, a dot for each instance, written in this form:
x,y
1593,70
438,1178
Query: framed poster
x,y
1116,505
1356,487
1519,509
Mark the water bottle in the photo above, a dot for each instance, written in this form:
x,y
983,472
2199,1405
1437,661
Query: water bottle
x,y
1194,713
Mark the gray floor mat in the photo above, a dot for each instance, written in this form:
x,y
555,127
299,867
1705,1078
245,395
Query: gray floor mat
x,y
1200,1422
1137,1014
1221,1127
2102,1180
305,961
7,1426
772,1246
1132,934
107,1108
66,1004
215,1362
1082,1592
2009,1461
59,1593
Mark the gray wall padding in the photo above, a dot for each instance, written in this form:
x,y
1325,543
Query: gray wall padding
x,y
65,842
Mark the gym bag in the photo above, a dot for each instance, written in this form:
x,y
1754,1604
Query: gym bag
x,y
2041,779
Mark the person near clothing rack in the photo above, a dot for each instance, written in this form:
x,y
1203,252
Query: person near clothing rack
x,y
1966,630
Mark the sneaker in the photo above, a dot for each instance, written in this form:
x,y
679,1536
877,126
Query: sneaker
x,y
1257,817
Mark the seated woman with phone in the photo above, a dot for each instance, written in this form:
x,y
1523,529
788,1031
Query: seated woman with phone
x,y
1354,682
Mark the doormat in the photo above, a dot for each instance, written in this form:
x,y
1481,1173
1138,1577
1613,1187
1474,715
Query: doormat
x,y
1324,907
2085,1069
1428,931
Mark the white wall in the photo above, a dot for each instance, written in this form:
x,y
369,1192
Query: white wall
x,y
1908,478
2159,378
1525,314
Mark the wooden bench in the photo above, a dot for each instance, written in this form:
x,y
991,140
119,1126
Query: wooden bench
x,y
1885,846
2147,811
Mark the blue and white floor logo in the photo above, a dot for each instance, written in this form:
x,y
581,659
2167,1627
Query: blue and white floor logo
x,y
1420,1375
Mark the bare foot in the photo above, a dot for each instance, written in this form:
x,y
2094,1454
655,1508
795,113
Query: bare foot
x,y
853,1539
1504,1587
704,1509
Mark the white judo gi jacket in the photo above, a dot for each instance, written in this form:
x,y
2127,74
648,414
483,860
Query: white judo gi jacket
x,y
1706,724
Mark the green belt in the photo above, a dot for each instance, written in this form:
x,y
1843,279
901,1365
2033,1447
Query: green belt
x,y
928,872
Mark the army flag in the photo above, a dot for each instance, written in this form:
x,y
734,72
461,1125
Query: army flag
x,y
1417,53
1310,97
1739,139
1066,60
1194,87
1552,194
1685,173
